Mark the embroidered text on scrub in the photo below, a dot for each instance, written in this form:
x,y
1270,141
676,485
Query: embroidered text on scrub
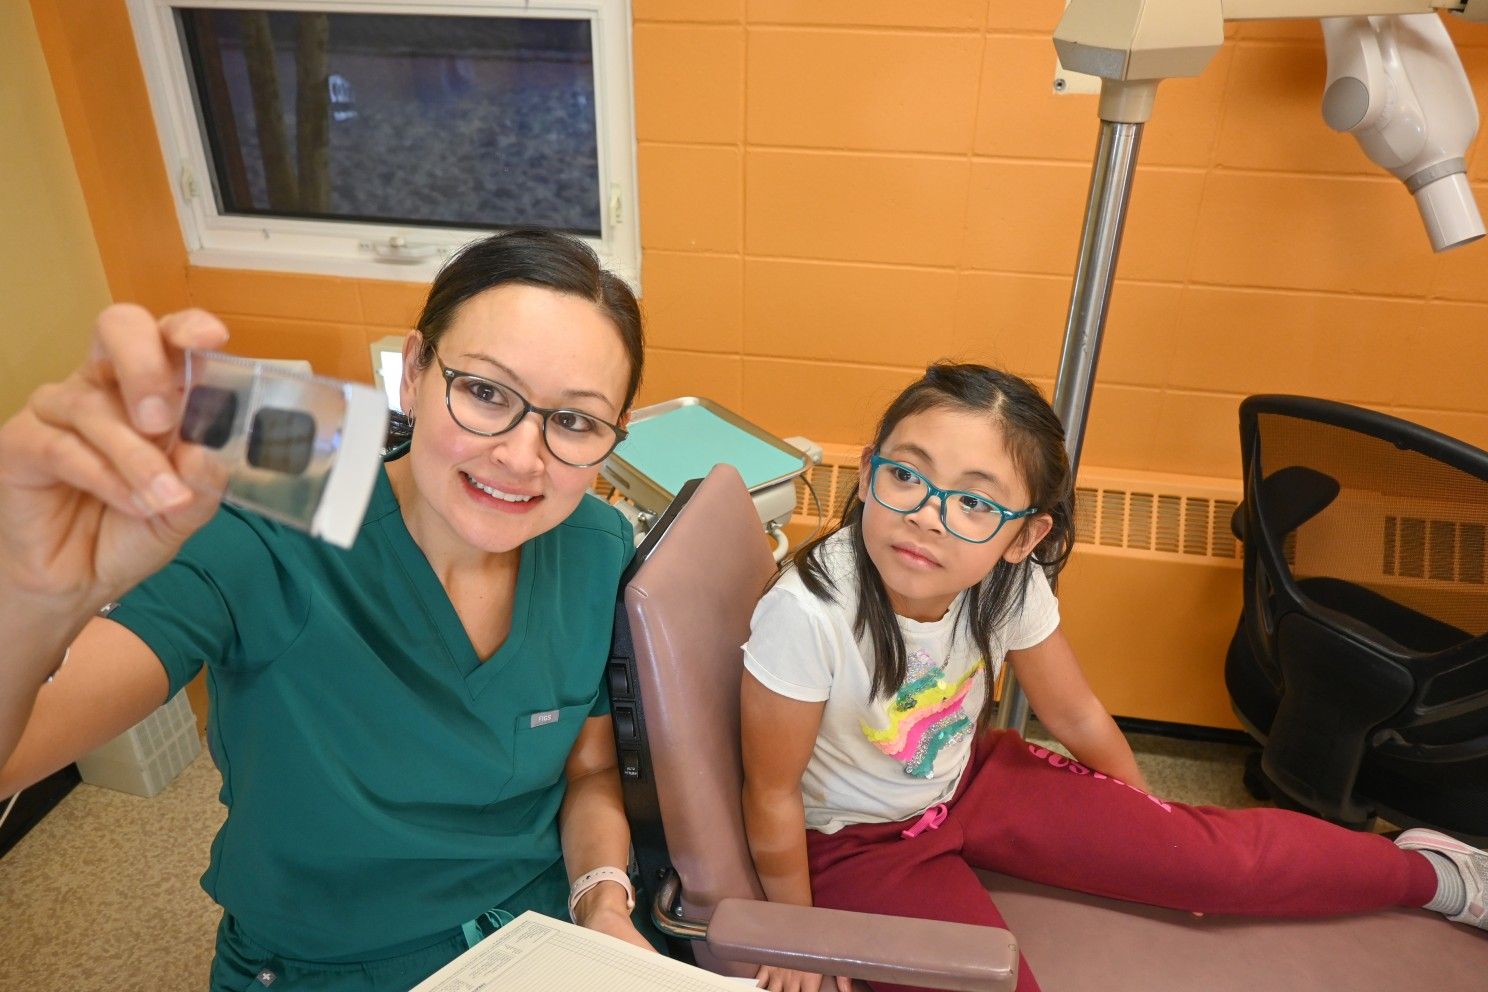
x,y
929,820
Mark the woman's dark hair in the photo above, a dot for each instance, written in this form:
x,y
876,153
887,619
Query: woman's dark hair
x,y
532,257
1035,442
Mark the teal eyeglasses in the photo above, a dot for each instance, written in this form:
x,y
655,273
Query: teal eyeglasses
x,y
973,518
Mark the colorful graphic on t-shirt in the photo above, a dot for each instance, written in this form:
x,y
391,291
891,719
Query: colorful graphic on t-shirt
x,y
926,715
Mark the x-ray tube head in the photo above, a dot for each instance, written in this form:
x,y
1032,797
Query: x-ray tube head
x,y
1397,85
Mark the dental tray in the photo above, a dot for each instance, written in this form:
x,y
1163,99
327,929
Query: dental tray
x,y
683,439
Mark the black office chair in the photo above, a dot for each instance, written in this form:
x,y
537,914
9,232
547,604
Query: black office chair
x,y
1361,657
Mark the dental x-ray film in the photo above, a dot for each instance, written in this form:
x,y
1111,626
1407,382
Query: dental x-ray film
x,y
300,449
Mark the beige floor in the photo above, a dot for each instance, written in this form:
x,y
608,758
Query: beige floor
x,y
102,895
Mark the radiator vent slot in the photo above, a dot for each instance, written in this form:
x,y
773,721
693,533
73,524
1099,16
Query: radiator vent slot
x,y
833,485
1172,523
1440,550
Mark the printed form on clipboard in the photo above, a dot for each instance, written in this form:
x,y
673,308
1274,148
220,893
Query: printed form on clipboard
x,y
535,953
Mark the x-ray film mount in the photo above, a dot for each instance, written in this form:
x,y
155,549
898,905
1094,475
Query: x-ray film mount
x,y
303,450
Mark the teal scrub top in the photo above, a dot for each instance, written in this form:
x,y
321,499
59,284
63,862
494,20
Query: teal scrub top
x,y
383,783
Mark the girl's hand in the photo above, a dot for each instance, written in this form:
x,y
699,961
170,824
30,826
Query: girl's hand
x,y
93,495
786,980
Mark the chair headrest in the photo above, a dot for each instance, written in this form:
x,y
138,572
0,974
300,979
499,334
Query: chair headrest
x,y
689,606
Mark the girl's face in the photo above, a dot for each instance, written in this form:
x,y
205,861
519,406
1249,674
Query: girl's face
x,y
923,566
492,494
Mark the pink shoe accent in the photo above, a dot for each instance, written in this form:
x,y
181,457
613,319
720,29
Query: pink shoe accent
x,y
929,820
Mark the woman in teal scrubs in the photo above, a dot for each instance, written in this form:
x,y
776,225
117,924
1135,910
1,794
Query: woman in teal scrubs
x,y
414,735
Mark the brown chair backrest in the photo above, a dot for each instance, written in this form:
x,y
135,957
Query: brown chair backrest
x,y
689,605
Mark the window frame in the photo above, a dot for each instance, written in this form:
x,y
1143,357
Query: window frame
x,y
408,253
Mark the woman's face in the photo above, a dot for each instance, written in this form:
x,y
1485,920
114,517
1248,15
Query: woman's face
x,y
556,350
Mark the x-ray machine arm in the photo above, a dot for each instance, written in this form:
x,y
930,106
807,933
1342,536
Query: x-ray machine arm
x,y
1394,81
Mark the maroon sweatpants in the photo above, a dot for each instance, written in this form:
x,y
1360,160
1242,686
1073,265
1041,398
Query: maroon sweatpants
x,y
1025,811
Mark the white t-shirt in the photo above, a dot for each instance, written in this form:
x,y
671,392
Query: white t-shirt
x,y
890,758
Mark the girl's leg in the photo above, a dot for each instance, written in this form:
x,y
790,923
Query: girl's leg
x,y
871,869
1034,814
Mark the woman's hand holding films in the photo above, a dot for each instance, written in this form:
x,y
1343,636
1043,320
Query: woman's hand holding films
x,y
93,495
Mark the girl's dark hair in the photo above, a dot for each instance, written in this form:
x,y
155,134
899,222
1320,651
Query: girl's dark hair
x,y
1035,442
532,257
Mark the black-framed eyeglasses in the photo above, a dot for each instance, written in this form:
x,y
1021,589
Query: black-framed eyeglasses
x,y
488,408
970,516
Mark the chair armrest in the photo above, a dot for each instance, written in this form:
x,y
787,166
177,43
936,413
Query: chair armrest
x,y
893,949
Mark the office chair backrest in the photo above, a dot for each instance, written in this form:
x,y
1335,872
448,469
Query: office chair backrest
x,y
688,606
1409,515
1366,600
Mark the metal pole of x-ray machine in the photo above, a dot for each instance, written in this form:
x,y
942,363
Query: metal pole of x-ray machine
x,y
1397,87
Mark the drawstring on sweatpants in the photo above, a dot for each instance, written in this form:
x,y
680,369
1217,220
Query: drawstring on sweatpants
x,y
929,820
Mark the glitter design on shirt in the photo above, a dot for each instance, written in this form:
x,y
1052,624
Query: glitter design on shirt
x,y
925,717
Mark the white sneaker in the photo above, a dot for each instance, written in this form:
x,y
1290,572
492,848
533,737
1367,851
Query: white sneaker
x,y
1471,863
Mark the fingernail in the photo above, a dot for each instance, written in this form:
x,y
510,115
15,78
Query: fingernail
x,y
168,491
152,415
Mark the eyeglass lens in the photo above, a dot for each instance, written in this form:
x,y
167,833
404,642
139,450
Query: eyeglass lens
x,y
487,407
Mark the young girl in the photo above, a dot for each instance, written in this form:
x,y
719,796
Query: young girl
x,y
866,682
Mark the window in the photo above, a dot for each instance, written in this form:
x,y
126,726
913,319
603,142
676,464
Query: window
x,y
372,138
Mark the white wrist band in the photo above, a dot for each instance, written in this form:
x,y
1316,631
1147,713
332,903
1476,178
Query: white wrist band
x,y
590,879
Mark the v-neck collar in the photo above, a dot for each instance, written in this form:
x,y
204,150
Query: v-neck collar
x,y
477,673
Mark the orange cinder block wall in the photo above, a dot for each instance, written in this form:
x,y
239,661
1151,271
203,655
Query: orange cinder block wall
x,y
834,193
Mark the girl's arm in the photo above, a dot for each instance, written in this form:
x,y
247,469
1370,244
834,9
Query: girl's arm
x,y
1060,697
594,831
778,736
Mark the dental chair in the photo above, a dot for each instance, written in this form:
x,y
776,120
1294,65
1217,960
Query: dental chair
x,y
674,689
674,681
1360,661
